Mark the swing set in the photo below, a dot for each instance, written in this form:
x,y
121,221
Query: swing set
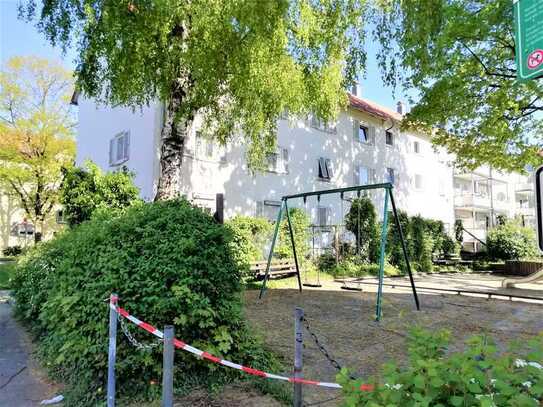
x,y
387,188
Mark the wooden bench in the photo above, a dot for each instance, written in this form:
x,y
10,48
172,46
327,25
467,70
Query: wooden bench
x,y
281,268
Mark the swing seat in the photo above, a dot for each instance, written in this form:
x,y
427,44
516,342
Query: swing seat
x,y
282,268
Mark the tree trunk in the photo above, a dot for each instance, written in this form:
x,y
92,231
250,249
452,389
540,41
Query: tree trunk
x,y
173,136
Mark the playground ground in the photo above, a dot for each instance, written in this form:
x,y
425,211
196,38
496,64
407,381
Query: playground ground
x,y
344,321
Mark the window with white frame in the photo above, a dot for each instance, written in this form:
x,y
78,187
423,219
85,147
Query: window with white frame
x,y
389,138
325,170
419,182
119,148
322,125
364,175
363,133
390,176
207,149
323,216
278,161
268,209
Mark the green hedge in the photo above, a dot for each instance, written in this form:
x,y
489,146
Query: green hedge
x,y
476,376
510,241
250,237
169,262
86,189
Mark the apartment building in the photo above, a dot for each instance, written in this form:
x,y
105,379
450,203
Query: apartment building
x,y
483,196
363,146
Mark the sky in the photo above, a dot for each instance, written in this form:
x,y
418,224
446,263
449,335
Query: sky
x,y
19,38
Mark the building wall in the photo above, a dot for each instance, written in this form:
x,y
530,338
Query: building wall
x,y
425,182
98,124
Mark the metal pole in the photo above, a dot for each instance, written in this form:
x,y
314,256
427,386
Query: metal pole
x,y
404,249
291,231
167,367
298,349
112,351
382,259
275,233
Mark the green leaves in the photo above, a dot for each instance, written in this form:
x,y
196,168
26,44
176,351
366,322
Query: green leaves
x,y
142,254
459,55
477,376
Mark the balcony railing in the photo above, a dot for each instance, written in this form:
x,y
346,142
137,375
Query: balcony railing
x,y
478,201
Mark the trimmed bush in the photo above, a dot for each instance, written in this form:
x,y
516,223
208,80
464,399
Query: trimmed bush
x,y
300,226
250,238
361,220
84,190
510,241
170,263
478,376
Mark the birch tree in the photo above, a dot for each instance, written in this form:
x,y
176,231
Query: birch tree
x,y
238,63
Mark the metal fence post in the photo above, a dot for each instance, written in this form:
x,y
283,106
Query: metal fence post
x,y
112,351
167,367
298,349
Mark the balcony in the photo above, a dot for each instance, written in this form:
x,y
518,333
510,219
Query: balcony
x,y
524,188
479,201
480,235
525,211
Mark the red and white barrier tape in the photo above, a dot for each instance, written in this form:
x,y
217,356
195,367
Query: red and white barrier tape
x,y
255,372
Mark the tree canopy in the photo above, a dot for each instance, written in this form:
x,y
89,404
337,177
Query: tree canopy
x,y
36,133
460,56
239,63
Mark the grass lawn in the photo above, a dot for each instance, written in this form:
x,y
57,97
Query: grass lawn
x,y
6,271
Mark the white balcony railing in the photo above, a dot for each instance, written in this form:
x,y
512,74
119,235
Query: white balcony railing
x,y
479,201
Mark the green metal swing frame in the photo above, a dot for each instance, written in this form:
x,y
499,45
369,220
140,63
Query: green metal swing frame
x,y
387,187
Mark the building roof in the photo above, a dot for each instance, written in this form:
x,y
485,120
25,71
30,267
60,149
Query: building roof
x,y
367,106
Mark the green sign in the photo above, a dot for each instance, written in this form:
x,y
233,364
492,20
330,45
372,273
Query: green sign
x,y
529,38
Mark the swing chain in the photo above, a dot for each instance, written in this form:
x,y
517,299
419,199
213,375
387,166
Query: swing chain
x,y
322,349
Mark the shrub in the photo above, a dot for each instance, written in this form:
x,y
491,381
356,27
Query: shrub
x,y
450,247
361,220
394,243
459,230
12,251
250,238
86,189
510,241
351,267
422,244
300,226
170,263
479,376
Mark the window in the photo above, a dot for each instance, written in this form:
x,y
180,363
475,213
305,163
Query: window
x,y
323,216
364,175
325,170
418,181
59,217
119,148
206,149
322,125
416,147
278,161
389,138
364,134
268,209
390,176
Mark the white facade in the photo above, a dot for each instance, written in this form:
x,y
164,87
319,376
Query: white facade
x,y
364,146
422,176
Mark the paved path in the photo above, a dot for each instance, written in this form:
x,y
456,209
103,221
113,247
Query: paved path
x,y
20,383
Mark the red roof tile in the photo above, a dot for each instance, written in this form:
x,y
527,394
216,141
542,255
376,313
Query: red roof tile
x,y
367,106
